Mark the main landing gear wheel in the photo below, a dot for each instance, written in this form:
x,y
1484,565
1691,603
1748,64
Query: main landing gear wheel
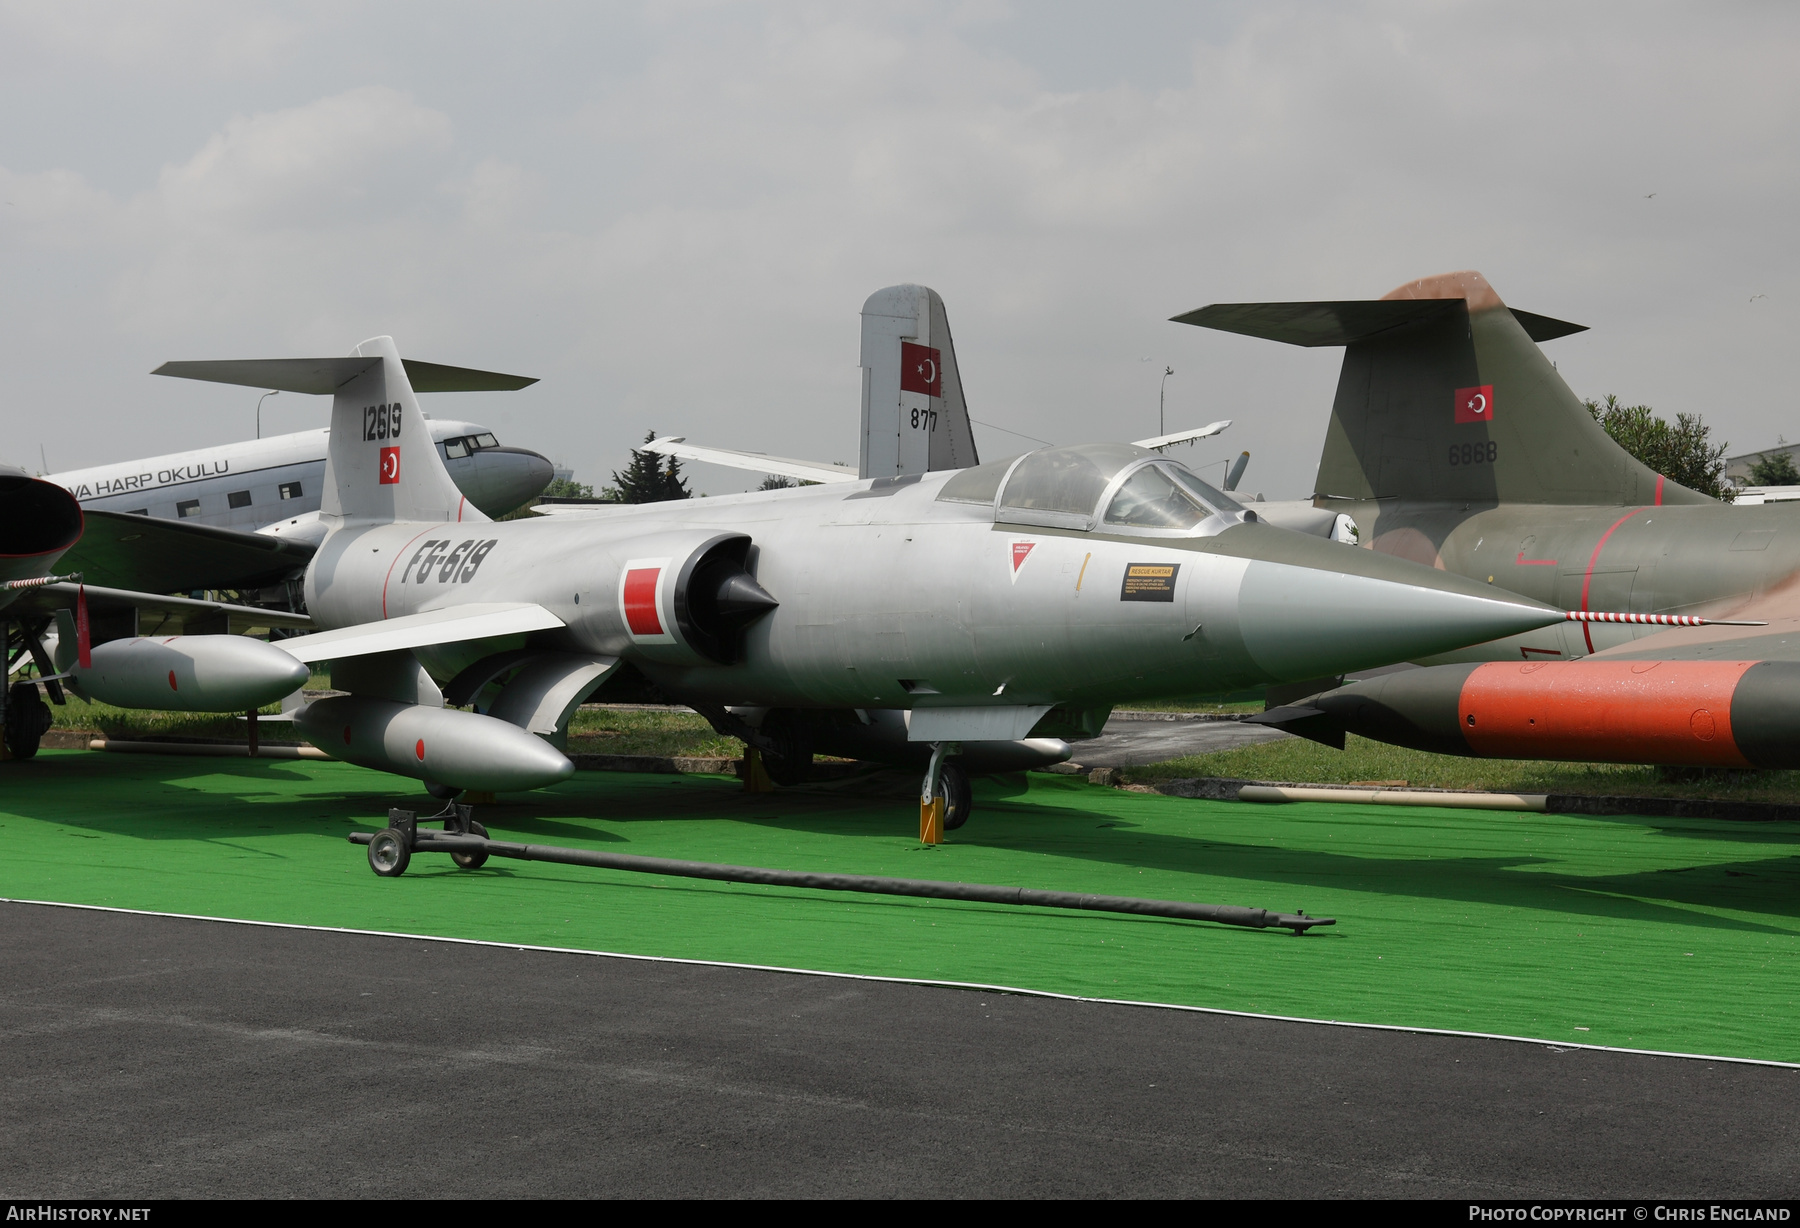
x,y
388,854
28,717
789,760
470,861
959,800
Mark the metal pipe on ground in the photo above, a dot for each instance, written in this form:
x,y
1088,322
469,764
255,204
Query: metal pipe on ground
x,y
983,893
226,749
1394,797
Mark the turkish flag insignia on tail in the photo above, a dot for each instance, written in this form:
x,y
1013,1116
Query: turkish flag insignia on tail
x,y
1475,404
920,370
390,466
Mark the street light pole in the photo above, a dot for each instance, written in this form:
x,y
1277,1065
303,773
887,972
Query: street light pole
x,y
259,400
1162,427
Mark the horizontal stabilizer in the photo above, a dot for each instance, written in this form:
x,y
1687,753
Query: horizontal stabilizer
x,y
1164,441
323,376
1345,323
451,626
150,554
756,462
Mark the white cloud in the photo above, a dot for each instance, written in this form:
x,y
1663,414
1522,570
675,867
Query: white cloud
x,y
681,237
354,157
212,36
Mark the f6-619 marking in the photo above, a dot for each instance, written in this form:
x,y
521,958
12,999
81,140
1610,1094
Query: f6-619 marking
x,y
452,566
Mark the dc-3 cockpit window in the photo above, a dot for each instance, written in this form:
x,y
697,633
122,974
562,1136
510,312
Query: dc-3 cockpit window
x,y
459,446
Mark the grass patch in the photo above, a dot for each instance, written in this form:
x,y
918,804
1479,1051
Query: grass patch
x,y
1196,704
611,731
1296,759
594,731
129,723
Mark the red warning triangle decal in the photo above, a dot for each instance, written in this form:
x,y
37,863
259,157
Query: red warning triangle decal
x,y
1019,551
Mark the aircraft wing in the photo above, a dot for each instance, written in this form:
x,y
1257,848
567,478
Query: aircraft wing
x,y
1163,441
463,622
148,554
178,613
805,471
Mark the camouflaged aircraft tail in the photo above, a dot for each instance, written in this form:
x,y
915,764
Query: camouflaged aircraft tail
x,y
1445,396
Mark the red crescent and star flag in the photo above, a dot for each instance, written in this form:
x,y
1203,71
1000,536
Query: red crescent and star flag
x,y
921,370
1475,404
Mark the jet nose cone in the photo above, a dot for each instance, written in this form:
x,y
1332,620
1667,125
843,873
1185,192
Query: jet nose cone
x,y
1298,622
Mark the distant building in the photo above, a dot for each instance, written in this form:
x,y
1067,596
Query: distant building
x,y
1737,468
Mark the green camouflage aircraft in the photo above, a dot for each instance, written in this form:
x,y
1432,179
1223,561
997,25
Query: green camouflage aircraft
x,y
1454,442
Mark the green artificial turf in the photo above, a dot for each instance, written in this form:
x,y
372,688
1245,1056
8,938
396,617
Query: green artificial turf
x,y
1363,761
1647,933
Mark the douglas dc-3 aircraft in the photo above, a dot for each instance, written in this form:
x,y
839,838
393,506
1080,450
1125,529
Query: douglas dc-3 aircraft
x,y
274,485
1454,442
970,620
239,517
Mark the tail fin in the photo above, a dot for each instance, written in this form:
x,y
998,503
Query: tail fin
x,y
381,465
1444,395
914,418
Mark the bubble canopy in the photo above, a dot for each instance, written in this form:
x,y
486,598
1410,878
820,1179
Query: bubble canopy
x,y
1066,487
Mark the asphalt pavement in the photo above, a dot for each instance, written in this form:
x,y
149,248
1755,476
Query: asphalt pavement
x,y
162,1057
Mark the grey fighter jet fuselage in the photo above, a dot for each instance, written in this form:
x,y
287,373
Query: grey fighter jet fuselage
x,y
987,612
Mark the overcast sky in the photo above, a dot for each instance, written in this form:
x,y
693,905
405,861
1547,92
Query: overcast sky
x,y
672,213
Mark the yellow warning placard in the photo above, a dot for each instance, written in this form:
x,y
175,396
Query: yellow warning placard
x,y
1149,582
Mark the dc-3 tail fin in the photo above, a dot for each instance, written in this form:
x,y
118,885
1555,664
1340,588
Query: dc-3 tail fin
x,y
1444,395
914,418
381,465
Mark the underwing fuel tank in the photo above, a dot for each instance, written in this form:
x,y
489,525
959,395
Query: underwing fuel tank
x,y
1680,713
186,673
441,746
